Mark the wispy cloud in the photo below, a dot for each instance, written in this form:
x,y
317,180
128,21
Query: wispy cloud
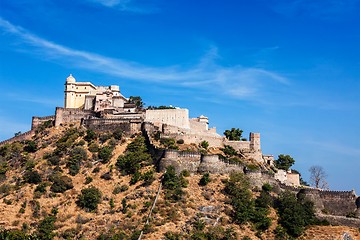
x,y
126,5
234,81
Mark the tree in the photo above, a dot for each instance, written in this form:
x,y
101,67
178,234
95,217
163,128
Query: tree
x,y
317,177
137,100
284,162
233,134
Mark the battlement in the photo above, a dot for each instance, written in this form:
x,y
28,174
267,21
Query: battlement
x,y
22,137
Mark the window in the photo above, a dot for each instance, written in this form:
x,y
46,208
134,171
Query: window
x,y
77,88
85,87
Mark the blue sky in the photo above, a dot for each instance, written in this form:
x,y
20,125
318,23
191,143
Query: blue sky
x,y
287,69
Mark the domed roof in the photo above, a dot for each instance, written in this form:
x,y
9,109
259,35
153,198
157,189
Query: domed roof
x,y
70,79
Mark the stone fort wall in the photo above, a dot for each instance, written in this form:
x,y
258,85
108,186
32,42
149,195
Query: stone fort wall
x,y
338,203
71,115
36,121
22,137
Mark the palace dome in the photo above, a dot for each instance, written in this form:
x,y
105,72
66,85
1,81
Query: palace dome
x,y
70,79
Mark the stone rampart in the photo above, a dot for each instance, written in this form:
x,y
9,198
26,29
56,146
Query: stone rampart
x,y
71,115
36,121
176,117
340,220
128,127
22,137
338,203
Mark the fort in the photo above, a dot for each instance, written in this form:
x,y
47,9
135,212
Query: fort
x,y
105,109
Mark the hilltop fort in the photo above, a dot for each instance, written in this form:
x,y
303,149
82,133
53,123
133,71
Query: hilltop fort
x,y
102,108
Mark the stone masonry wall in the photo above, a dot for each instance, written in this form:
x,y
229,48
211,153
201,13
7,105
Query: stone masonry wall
x,y
70,115
338,203
340,220
128,127
22,137
36,121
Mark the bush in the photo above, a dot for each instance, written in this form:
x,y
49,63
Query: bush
x,y
351,215
204,144
157,135
93,147
294,214
135,178
30,146
185,173
252,167
88,180
228,150
61,184
90,135
117,134
46,227
205,179
105,153
96,169
41,187
325,211
106,176
267,187
89,198
32,177
54,160
180,141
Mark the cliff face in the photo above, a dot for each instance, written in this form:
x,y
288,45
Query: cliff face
x,y
70,154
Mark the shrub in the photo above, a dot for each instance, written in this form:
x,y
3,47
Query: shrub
x,y
172,236
267,187
89,198
46,227
351,215
54,160
111,203
157,135
135,178
204,144
136,155
112,142
170,179
228,150
80,143
90,135
105,153
325,211
41,187
205,179
61,184
88,180
199,225
32,177
252,167
180,141
185,173
106,176
96,169
93,147
117,134
294,214
30,146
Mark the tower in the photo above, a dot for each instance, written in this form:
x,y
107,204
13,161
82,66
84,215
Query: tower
x,y
70,92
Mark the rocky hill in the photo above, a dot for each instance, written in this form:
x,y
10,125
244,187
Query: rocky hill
x,y
72,183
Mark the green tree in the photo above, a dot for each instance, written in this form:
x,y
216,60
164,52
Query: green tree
x,y
284,162
89,198
294,213
233,134
137,100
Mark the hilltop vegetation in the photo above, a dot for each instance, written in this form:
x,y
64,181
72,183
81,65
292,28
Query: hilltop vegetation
x,y
73,183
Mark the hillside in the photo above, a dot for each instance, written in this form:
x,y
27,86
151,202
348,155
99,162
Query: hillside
x,y
43,182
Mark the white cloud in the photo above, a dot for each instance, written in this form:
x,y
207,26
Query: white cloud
x,y
234,81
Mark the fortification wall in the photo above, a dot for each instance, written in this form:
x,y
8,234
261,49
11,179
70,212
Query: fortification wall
x,y
340,220
70,115
338,203
176,117
129,127
22,137
212,164
36,121
292,179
